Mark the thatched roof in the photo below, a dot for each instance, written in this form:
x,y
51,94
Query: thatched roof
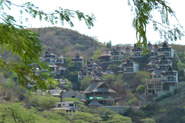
x,y
96,87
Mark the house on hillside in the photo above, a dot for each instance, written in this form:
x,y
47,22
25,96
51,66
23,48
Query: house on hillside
x,y
91,64
116,53
160,62
62,70
163,63
152,64
137,51
166,49
78,59
154,51
128,66
84,72
168,75
98,72
100,90
153,86
156,73
69,106
128,50
106,57
50,57
59,59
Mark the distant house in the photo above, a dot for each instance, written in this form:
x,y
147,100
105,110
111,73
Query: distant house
x,y
69,106
128,66
50,57
98,72
163,63
152,64
156,73
91,64
128,50
84,72
59,59
62,70
166,49
153,86
73,94
55,61
137,51
154,51
78,59
106,57
168,75
101,91
56,92
116,53
160,62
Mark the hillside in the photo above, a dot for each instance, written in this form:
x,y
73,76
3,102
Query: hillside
x,y
67,41
168,110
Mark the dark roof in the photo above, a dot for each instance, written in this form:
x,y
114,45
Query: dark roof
x,y
152,62
94,102
95,87
157,72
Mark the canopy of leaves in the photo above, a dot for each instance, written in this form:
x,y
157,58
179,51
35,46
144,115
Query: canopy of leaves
x,y
144,14
25,43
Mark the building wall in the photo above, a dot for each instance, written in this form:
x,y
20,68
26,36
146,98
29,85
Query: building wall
x,y
73,94
135,67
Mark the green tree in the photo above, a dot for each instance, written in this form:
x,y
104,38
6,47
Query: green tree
x,y
68,85
85,83
143,11
79,47
43,102
132,100
86,117
25,43
97,53
148,120
110,78
181,66
15,112
119,119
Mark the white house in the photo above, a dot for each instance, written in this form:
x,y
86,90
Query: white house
x,y
129,66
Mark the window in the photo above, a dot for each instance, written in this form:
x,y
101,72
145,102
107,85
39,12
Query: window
x,y
59,105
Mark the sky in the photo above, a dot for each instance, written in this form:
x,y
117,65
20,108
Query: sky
x,y
113,19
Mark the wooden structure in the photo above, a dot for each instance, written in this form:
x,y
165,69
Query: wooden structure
x,y
100,90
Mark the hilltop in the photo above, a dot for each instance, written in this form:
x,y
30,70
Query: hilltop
x,y
67,41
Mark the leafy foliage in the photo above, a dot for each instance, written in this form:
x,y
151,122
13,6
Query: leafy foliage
x,y
85,83
143,11
25,43
43,101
